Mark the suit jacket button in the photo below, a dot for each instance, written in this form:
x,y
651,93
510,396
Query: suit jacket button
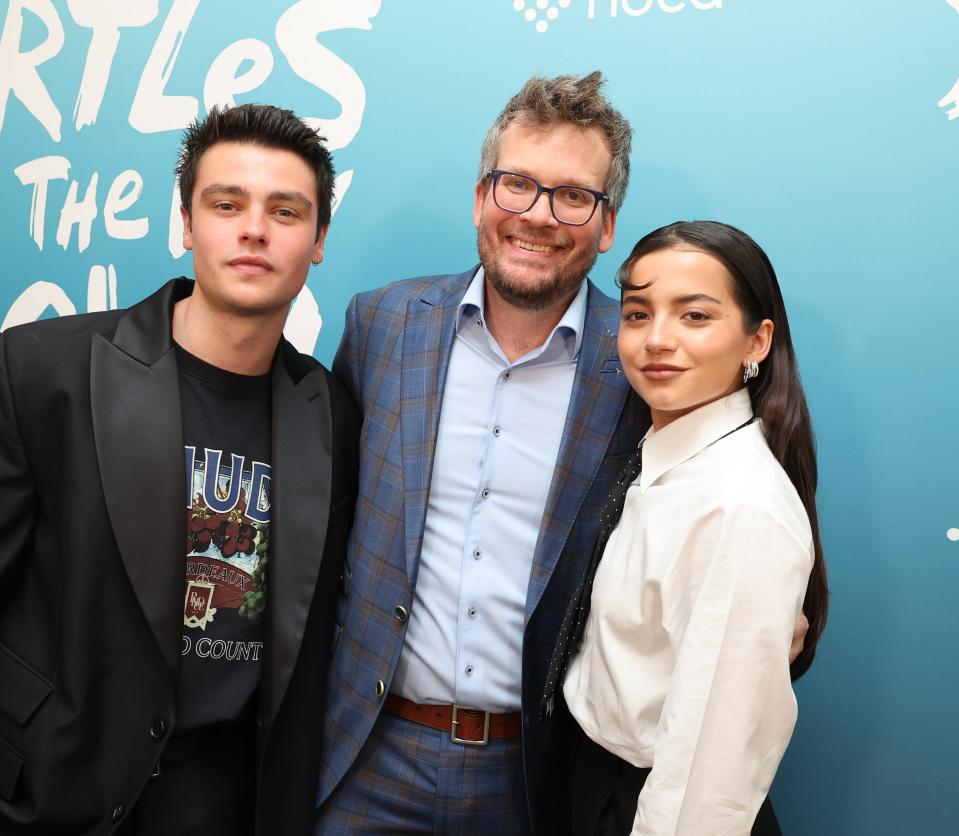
x,y
117,813
380,687
401,612
157,729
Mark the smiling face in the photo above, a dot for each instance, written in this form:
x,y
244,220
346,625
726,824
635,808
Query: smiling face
x,y
252,229
531,260
683,340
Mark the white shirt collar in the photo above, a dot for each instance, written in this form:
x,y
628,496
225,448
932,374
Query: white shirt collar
x,y
571,324
686,436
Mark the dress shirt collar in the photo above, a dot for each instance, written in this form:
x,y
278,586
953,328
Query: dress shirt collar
x,y
569,328
686,436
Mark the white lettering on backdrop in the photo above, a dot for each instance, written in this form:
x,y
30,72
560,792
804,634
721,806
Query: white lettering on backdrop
x,y
950,102
105,18
18,70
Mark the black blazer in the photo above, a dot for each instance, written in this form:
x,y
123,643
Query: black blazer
x,y
92,528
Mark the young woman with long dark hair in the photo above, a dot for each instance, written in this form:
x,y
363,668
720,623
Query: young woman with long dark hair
x,y
681,685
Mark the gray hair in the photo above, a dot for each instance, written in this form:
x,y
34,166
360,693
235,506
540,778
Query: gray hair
x,y
567,99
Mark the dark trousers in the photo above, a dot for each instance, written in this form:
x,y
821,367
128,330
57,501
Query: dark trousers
x,y
605,790
204,786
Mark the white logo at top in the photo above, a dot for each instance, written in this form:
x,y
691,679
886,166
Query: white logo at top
x,y
542,12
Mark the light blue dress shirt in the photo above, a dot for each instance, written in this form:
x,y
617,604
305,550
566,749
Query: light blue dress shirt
x,y
500,430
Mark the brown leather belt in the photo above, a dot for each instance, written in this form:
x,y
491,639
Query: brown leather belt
x,y
465,725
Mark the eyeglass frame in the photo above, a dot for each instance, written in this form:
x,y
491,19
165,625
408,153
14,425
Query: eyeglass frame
x,y
598,197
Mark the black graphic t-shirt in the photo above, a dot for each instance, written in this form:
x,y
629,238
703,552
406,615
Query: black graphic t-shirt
x,y
226,436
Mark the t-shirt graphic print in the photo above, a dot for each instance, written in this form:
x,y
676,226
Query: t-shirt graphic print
x,y
227,552
228,538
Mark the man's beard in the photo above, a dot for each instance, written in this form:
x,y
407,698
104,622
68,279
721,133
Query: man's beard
x,y
551,288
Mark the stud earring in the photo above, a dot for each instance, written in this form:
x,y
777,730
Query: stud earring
x,y
750,370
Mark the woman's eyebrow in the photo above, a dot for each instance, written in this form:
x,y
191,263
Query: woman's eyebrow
x,y
695,297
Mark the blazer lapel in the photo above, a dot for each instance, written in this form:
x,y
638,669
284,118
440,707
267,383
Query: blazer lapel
x,y
135,401
301,491
599,392
428,333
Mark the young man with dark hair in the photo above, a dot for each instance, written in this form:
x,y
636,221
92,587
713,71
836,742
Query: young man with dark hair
x,y
176,488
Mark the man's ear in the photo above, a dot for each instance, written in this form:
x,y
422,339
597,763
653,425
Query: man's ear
x,y
187,229
317,254
478,199
609,229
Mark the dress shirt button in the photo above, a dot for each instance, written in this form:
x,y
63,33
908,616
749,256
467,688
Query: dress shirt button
x,y
401,612
117,813
506,374
485,493
471,612
477,554
380,687
157,729
468,670
496,431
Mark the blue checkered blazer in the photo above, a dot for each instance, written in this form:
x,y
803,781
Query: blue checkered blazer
x,y
394,358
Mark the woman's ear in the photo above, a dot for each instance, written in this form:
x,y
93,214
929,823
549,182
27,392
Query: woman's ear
x,y
761,342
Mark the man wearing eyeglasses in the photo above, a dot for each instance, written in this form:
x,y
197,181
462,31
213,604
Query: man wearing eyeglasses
x,y
494,418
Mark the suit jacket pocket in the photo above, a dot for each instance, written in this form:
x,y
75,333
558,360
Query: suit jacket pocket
x,y
24,690
10,765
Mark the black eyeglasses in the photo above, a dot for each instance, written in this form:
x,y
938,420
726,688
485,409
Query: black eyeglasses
x,y
572,205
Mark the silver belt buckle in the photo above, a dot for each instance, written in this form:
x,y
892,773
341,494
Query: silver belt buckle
x,y
463,741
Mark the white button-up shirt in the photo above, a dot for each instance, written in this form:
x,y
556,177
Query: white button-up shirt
x,y
500,430
684,663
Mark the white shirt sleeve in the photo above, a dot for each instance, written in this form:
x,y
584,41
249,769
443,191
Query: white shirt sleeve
x,y
731,599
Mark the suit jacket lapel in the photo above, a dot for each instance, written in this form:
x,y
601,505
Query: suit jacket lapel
x,y
598,395
135,401
301,491
428,334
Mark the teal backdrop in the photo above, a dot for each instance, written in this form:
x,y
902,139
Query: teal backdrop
x,y
827,130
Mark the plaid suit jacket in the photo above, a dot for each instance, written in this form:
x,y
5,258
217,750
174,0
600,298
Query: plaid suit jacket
x,y
394,358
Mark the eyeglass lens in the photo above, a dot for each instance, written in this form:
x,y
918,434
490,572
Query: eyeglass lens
x,y
516,193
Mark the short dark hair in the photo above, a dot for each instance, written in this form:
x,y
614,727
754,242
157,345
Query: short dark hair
x,y
543,102
268,127
777,394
